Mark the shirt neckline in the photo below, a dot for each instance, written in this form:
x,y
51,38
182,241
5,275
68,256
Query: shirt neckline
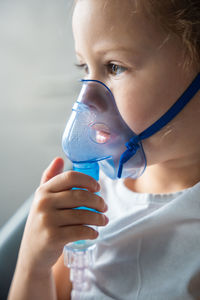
x,y
142,198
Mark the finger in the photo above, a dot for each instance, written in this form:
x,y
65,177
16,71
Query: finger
x,y
77,198
55,168
70,179
80,217
78,232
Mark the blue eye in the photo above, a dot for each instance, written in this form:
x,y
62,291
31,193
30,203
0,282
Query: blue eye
x,y
115,69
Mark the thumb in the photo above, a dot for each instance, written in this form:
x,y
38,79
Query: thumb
x,y
55,168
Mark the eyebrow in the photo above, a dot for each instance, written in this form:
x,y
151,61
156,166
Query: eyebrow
x,y
119,49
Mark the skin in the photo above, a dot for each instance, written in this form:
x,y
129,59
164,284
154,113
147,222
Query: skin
x,y
146,77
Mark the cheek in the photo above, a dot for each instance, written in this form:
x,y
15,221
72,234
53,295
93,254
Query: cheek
x,y
136,107
144,99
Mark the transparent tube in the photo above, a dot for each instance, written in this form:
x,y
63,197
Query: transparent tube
x,y
79,255
79,261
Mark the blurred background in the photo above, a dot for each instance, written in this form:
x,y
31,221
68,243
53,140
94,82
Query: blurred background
x,y
38,84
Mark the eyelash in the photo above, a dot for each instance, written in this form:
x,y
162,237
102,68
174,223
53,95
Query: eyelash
x,y
110,68
82,67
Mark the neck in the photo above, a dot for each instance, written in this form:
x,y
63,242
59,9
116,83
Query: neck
x,y
167,177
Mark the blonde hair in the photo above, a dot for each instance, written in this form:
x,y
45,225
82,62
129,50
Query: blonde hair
x,y
182,18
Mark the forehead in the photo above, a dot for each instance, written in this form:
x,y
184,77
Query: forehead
x,y
101,22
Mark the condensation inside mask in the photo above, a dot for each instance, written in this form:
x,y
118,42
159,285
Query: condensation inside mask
x,y
96,132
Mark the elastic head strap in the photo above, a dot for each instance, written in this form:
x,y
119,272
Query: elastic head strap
x,y
132,145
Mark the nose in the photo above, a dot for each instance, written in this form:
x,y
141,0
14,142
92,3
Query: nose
x,y
95,95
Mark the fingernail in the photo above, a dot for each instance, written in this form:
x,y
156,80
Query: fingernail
x,y
97,187
105,207
96,234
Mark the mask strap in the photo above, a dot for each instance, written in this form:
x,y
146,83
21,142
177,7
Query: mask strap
x,y
133,144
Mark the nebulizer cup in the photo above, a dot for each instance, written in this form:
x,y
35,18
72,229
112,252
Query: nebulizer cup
x,y
78,256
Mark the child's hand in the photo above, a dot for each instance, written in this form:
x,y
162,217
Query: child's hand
x,y
53,222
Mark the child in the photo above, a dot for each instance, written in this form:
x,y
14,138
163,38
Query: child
x,y
147,53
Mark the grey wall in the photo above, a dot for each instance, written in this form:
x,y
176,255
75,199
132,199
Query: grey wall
x,y
38,83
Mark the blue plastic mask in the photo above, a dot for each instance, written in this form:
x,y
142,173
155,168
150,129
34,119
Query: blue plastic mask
x,y
96,131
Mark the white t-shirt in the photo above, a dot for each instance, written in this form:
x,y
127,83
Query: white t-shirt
x,y
150,250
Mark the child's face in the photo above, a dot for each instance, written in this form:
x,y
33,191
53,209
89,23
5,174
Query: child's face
x,y
143,68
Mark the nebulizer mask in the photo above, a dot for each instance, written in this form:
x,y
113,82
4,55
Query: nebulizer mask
x,y
97,136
